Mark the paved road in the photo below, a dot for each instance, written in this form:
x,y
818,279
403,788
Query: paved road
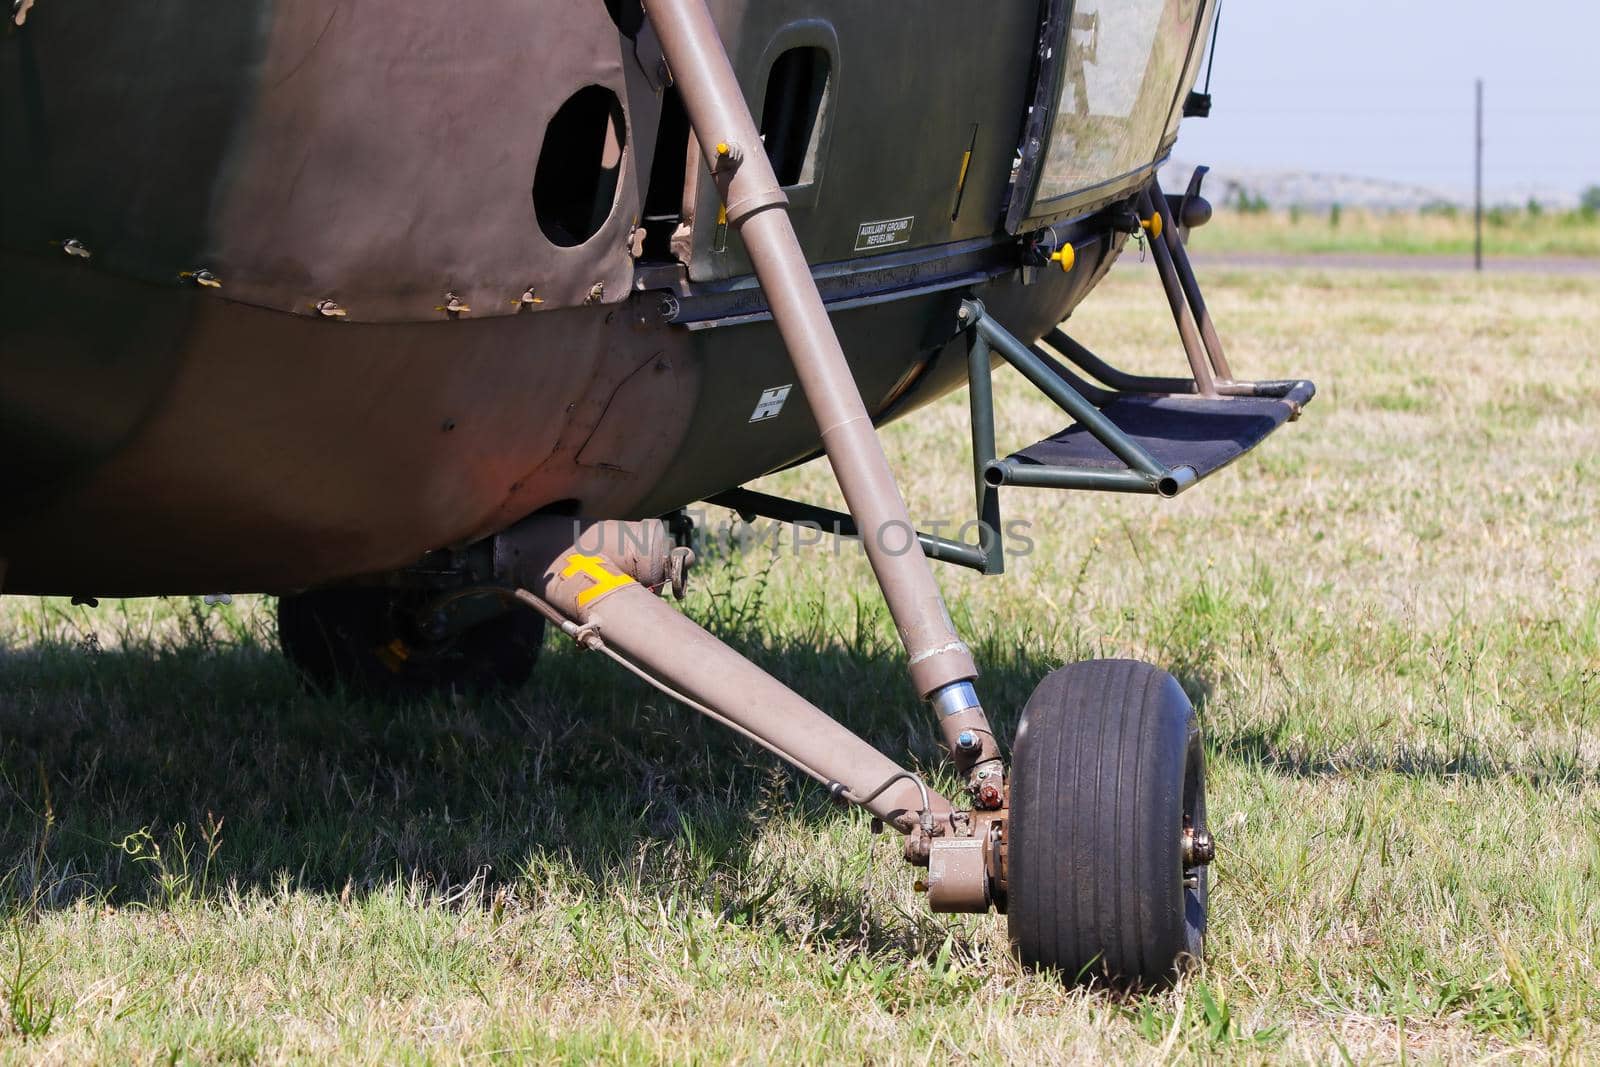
x,y
1377,261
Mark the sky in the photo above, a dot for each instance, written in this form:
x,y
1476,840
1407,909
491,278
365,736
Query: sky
x,y
1385,90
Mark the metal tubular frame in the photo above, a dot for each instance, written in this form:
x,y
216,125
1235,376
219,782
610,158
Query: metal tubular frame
x,y
1122,381
1197,303
749,503
1200,364
1068,399
1144,473
980,402
1116,378
1077,398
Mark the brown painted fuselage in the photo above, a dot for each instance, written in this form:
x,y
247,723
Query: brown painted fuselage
x,y
297,293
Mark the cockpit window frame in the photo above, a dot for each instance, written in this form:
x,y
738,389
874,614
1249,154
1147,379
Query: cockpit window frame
x,y
1023,211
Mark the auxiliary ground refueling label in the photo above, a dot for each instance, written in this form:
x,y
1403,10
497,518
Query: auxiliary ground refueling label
x,y
883,234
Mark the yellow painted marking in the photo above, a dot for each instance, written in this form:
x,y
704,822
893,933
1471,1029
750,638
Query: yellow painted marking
x,y
722,214
593,568
966,161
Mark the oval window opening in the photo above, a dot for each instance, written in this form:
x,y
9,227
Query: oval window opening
x,y
575,184
792,113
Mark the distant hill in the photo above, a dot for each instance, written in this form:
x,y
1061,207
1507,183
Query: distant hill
x,y
1316,191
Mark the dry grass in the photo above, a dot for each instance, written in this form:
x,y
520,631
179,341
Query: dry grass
x,y
1506,232
1390,618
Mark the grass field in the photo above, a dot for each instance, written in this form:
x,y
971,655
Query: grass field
x,y
1389,618
1506,232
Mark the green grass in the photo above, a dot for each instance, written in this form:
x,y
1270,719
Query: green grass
x,y
1506,232
1389,618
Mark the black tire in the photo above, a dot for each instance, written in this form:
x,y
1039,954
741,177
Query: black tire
x,y
365,642
1107,772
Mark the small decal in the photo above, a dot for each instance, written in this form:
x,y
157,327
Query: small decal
x,y
593,568
883,234
771,403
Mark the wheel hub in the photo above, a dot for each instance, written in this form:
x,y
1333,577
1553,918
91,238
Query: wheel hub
x,y
1198,848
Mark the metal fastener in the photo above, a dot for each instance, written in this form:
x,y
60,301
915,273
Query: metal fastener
x,y
201,277
728,156
1198,847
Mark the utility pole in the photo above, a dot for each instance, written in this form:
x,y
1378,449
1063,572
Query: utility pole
x,y
1477,187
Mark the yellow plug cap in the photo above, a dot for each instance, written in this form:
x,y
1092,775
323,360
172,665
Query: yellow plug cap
x,y
1066,255
1152,225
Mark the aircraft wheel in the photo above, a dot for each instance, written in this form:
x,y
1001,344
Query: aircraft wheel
x,y
367,641
1106,836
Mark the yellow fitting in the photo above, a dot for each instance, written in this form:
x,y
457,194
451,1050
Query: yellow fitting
x,y
1066,256
722,148
1152,225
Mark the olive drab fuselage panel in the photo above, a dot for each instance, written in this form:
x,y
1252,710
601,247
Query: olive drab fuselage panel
x,y
295,294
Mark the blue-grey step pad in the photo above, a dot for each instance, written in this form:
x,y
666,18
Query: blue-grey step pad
x,y
1203,433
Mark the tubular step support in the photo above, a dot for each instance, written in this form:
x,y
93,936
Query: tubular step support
x,y
980,398
1123,382
1010,472
1118,379
748,502
1068,399
727,134
1191,290
1205,377
572,567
